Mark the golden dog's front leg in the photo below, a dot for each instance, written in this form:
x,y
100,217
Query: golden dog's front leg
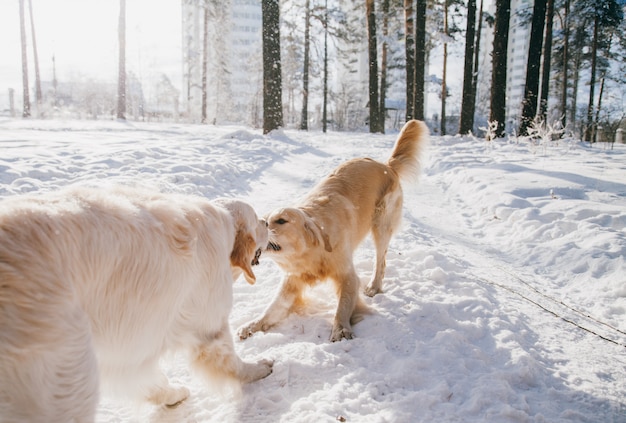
x,y
290,292
348,291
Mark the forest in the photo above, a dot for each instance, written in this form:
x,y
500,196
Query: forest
x,y
371,64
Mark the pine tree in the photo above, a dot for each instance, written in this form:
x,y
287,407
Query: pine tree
x,y
409,43
547,61
325,81
26,97
497,112
272,81
38,96
531,88
205,60
121,77
565,62
420,59
607,15
467,108
444,85
472,101
383,67
372,52
305,71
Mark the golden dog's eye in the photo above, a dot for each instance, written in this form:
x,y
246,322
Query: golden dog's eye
x,y
281,221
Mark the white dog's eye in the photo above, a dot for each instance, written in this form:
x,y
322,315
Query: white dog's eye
x,y
281,221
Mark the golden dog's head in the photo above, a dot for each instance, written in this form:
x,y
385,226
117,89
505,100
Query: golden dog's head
x,y
293,232
251,238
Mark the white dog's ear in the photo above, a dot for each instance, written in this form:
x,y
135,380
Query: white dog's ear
x,y
243,254
314,232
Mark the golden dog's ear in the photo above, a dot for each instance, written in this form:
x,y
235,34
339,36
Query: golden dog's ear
x,y
242,255
314,232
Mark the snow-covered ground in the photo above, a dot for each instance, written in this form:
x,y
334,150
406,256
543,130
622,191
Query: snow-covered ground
x,y
505,294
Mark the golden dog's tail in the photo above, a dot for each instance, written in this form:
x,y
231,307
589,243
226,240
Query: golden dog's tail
x,y
407,153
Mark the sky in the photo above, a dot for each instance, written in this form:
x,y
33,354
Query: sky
x,y
82,36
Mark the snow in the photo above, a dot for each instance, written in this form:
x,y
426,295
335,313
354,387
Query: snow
x,y
505,293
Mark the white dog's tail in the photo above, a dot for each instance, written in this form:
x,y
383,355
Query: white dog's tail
x,y
407,153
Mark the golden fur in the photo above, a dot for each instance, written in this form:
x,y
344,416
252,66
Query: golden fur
x,y
315,240
103,282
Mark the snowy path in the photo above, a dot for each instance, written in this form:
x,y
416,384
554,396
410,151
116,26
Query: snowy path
x,y
501,335
452,338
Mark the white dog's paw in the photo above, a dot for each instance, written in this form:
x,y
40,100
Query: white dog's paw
x,y
339,333
170,396
265,368
256,371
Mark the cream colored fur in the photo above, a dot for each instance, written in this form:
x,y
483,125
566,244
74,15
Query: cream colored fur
x,y
101,283
315,240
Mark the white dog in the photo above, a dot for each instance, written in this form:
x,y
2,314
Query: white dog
x,y
315,240
103,282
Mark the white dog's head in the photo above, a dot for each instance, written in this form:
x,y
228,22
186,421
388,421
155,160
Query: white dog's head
x,y
251,237
292,232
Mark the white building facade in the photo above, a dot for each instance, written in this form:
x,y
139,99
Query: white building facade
x,y
517,57
234,58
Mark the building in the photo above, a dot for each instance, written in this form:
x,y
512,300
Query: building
x,y
517,55
234,54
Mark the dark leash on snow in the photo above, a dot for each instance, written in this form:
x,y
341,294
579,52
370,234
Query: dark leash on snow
x,y
571,320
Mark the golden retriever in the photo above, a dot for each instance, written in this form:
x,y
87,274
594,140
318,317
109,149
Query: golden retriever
x,y
316,239
101,283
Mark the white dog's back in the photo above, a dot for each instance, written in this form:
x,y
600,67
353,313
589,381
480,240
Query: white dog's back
x,y
107,269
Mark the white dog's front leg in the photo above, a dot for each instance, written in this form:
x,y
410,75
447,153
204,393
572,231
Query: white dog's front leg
x,y
278,310
216,358
161,392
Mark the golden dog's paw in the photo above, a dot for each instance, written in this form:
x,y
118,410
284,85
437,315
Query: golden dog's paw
x,y
340,333
372,289
246,331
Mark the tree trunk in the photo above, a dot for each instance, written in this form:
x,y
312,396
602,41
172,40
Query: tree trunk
x,y
565,65
372,50
600,94
578,57
420,59
499,61
472,103
304,125
272,80
325,102
467,111
383,67
444,87
547,61
597,118
409,43
121,75
592,82
38,95
529,103
26,97
205,62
